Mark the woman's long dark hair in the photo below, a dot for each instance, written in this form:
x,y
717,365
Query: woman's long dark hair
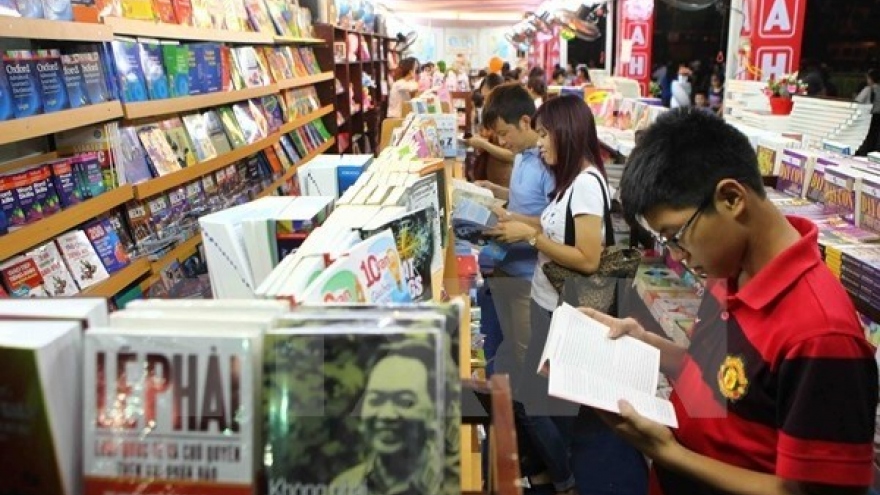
x,y
572,129
406,66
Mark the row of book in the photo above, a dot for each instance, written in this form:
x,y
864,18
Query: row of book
x,y
153,397
52,79
147,69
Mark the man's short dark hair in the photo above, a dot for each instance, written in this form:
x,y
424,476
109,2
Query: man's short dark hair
x,y
508,102
678,161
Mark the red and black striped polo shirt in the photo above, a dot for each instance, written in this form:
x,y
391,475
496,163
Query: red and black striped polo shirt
x,y
779,378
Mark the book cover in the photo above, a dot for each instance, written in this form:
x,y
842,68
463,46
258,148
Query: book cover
x,y
81,259
66,183
279,13
258,16
160,216
178,206
164,11
195,79
247,123
57,10
230,126
138,214
210,67
235,15
179,141
107,244
45,193
24,83
138,9
57,280
129,73
183,12
30,8
74,82
216,133
151,59
330,384
40,379
89,173
272,110
249,67
176,61
162,157
198,133
414,238
133,156
119,226
52,82
93,75
183,400
201,14
195,196
29,209
6,100
22,278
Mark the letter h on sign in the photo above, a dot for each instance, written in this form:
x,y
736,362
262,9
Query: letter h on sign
x,y
637,66
775,60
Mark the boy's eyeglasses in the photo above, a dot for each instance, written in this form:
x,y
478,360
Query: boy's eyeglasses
x,y
674,242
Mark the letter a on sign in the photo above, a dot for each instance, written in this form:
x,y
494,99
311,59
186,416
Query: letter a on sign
x,y
778,19
638,36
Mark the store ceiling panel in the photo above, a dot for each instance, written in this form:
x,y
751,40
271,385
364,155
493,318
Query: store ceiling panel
x,y
506,11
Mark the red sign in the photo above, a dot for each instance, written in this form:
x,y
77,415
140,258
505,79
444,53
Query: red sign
x,y
636,25
774,30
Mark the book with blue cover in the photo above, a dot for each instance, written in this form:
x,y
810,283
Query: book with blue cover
x,y
151,58
30,8
129,74
90,175
107,244
24,83
95,80
57,10
6,100
52,83
132,156
74,82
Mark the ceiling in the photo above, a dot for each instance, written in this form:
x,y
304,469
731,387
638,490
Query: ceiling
x,y
462,12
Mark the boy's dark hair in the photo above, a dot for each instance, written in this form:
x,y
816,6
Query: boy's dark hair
x,y
508,102
678,161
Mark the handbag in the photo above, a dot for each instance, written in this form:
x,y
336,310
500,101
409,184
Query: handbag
x,y
598,290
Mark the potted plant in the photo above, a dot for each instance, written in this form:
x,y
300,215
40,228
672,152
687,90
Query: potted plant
x,y
780,90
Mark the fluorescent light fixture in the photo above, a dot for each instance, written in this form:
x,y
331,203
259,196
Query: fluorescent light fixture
x,y
452,15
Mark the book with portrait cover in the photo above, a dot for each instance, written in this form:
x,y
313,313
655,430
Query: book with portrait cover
x,y
347,396
170,407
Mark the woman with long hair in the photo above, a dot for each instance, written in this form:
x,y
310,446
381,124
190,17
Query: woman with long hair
x,y
568,143
404,88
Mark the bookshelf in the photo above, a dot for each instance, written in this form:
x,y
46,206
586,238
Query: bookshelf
x,y
357,127
119,280
290,173
42,29
49,123
33,136
48,228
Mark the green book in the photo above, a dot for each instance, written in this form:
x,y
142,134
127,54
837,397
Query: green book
x,y
176,57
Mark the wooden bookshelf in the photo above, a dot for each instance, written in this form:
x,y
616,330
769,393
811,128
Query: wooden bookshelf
x,y
23,27
304,81
292,171
27,161
158,185
305,119
50,123
48,228
288,40
151,29
168,106
181,251
119,280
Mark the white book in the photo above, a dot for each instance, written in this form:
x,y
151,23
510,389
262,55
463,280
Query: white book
x,y
41,394
81,259
462,189
57,280
307,269
89,312
588,368
258,231
208,305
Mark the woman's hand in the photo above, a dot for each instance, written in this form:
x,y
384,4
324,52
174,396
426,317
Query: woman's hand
x,y
502,214
618,328
513,231
489,185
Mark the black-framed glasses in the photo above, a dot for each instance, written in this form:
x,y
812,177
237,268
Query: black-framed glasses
x,y
674,242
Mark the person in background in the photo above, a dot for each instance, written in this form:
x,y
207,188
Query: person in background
x,y
559,78
537,87
570,74
777,392
812,77
681,89
583,76
701,101
666,84
601,461
439,76
716,93
426,77
508,113
871,95
404,87
505,70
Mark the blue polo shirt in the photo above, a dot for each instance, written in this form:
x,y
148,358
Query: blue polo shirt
x,y
530,186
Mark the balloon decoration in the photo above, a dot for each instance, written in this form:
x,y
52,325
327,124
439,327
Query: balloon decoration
x,y
574,24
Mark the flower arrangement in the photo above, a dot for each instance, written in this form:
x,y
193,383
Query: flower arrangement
x,y
785,86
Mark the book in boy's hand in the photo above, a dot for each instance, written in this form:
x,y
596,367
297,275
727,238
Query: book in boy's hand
x,y
591,369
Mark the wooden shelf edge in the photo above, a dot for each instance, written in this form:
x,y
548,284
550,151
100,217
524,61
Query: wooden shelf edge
x,y
305,81
50,123
119,280
184,248
181,104
48,228
305,119
23,27
158,185
27,161
287,40
152,29
290,173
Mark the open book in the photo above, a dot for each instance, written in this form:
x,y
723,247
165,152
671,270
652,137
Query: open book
x,y
589,368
